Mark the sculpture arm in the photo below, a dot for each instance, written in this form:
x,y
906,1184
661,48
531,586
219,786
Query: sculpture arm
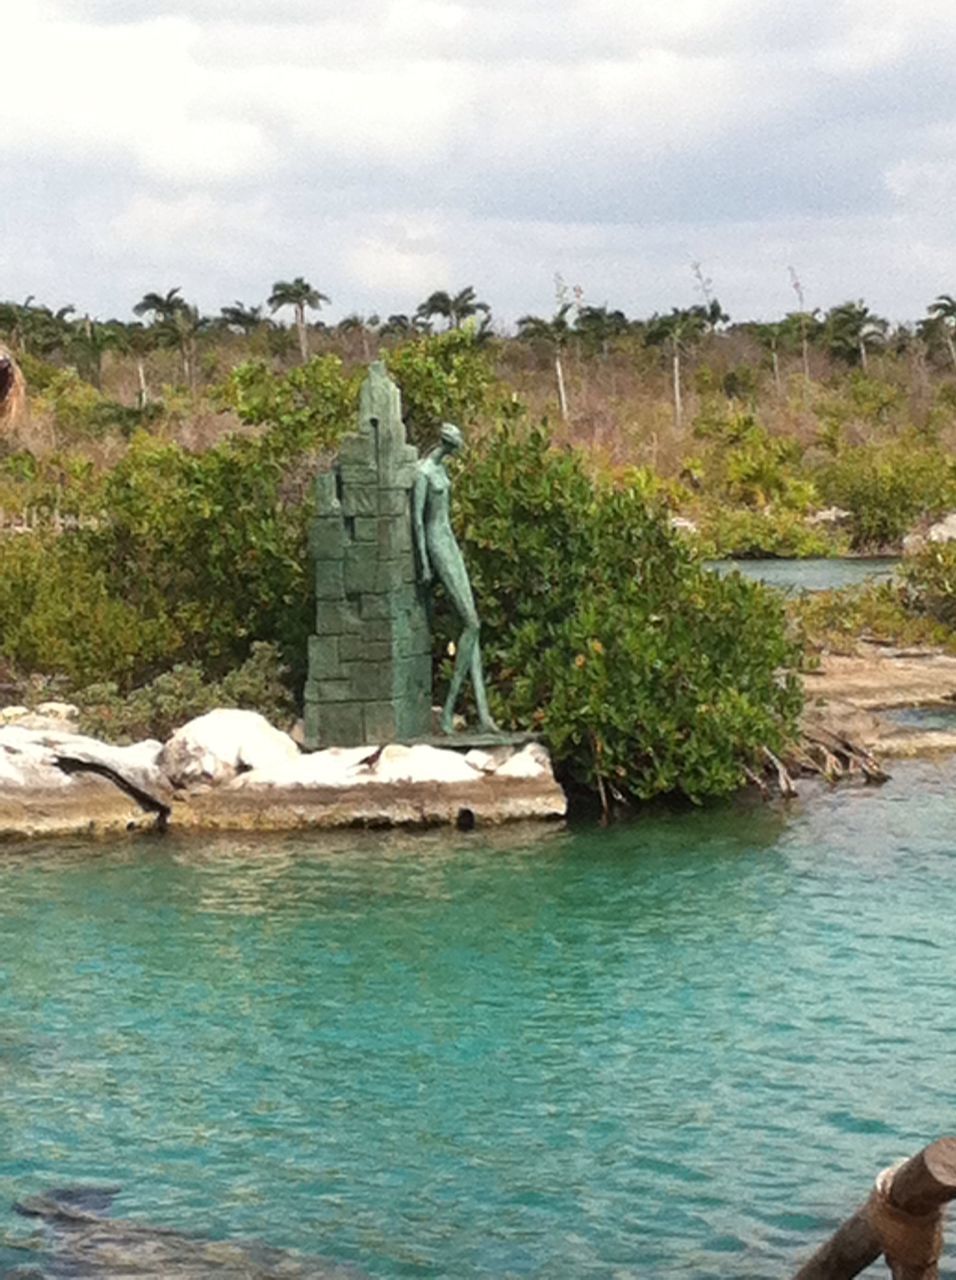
x,y
419,503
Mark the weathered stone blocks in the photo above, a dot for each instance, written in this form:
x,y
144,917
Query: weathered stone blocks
x,y
369,677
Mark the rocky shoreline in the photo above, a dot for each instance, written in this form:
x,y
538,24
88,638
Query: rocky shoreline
x,y
848,693
232,770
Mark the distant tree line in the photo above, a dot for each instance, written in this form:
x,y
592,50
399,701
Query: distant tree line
x,y
849,332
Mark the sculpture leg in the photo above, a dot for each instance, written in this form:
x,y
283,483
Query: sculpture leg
x,y
467,645
481,696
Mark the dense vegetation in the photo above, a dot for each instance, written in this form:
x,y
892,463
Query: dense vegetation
x,y
156,498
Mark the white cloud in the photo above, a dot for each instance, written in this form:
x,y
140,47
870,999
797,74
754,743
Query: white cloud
x,y
389,147
400,258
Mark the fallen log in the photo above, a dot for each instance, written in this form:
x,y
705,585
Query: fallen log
x,y
902,1219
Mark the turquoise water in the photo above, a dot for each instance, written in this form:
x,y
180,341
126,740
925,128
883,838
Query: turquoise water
x,y
681,1047
923,718
817,574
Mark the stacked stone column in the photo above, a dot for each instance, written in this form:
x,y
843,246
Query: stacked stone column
x,y
369,672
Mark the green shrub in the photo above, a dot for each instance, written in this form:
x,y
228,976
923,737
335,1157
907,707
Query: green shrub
x,y
443,378
80,412
307,407
158,708
887,488
930,576
747,466
746,534
58,614
645,672
837,620
207,545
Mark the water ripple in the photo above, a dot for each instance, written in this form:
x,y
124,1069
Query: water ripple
x,y
678,1048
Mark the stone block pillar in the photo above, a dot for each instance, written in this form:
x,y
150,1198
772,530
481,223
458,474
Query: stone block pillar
x,y
369,673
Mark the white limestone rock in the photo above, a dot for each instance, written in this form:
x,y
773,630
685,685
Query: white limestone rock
x,y
36,758
58,710
358,766
828,516
681,524
333,767
942,531
215,747
531,761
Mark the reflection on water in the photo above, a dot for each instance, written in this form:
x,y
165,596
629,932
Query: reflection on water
x,y
818,574
528,1054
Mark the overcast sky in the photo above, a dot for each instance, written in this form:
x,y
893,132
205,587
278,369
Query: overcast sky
x,y
386,148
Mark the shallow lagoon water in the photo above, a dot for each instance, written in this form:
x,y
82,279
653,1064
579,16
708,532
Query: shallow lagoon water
x,y
813,574
680,1047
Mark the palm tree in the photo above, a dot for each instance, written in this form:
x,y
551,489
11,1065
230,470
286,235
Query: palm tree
x,y
598,327
554,333
90,339
299,295
181,329
851,329
241,318
771,336
943,311
140,341
35,329
677,332
453,307
355,323
161,306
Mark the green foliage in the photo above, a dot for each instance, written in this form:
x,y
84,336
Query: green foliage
x,y
156,709
205,545
887,488
80,412
308,407
748,467
884,612
746,534
59,615
37,373
645,672
930,577
443,378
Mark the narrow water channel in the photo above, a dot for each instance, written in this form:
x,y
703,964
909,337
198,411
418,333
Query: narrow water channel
x,y
815,574
680,1047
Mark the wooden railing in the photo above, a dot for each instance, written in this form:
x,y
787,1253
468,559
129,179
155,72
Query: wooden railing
x,y
902,1220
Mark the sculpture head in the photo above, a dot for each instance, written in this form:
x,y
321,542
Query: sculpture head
x,y
451,437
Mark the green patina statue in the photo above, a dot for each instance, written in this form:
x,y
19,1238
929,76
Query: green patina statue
x,y
440,555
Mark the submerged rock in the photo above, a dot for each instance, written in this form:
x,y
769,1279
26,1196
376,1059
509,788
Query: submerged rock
x,y
83,1242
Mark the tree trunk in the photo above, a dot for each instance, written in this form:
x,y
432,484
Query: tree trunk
x,y
142,396
902,1218
805,346
678,402
303,336
863,360
951,346
562,396
775,359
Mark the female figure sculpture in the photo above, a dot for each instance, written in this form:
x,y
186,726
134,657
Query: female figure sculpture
x,y
439,554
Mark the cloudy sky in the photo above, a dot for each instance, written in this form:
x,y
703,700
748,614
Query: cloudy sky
x,y
386,148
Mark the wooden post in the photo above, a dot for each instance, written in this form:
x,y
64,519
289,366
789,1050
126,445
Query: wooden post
x,y
902,1219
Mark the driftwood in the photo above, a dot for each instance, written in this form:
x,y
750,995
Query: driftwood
x,y
902,1219
834,755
